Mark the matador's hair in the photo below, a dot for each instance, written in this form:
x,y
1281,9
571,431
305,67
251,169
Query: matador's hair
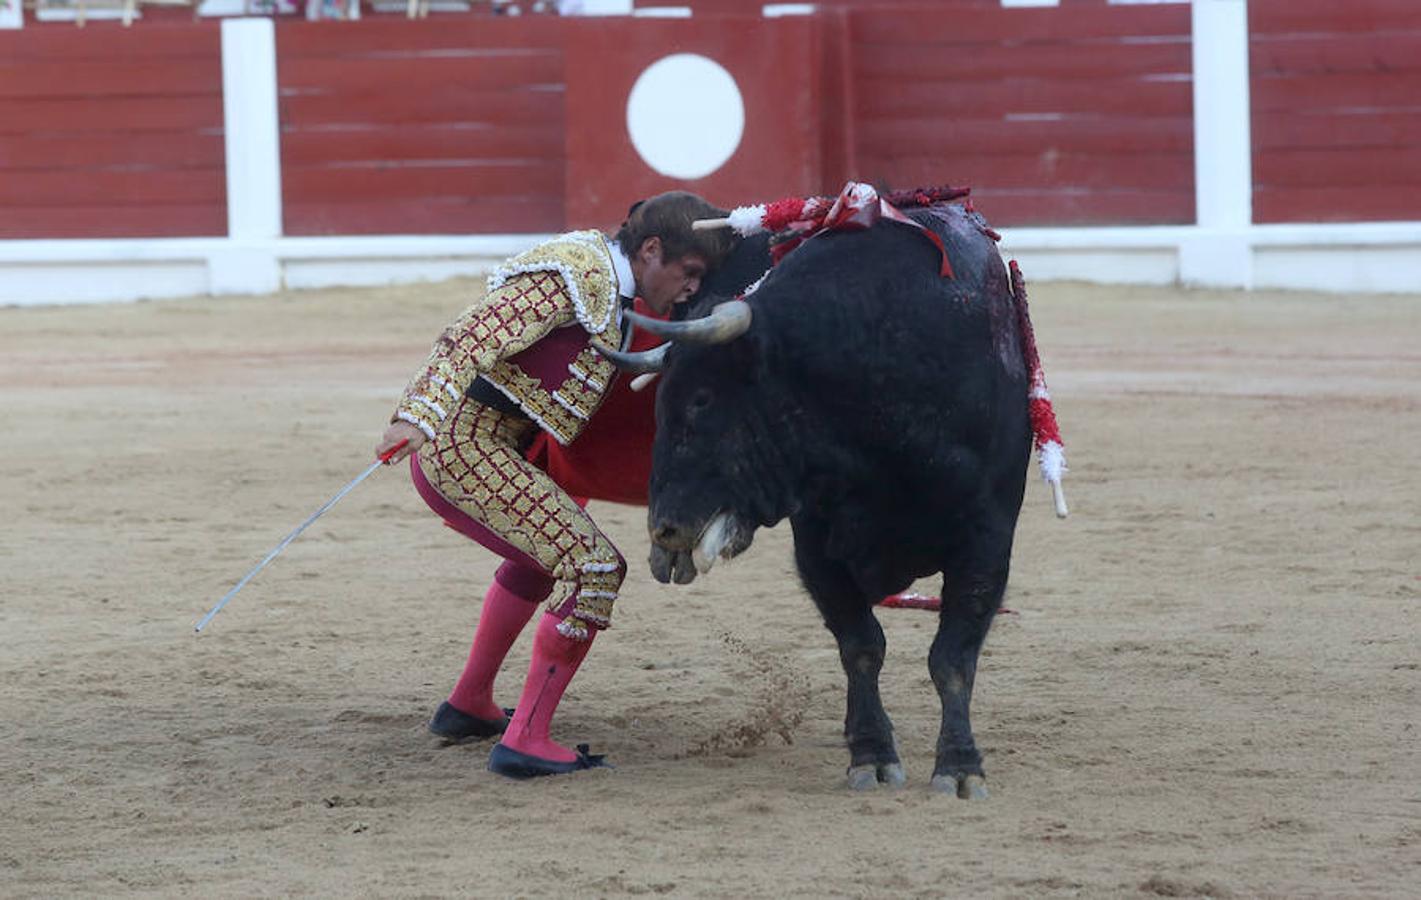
x,y
669,216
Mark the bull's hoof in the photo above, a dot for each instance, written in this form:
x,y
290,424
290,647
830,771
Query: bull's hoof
x,y
965,787
869,776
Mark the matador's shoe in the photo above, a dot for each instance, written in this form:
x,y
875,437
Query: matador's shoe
x,y
510,763
455,725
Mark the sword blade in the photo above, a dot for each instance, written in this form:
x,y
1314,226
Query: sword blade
x,y
276,551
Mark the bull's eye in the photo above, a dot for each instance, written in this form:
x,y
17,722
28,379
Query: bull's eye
x,y
700,400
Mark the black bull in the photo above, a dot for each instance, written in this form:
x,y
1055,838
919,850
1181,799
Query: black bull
x,y
882,408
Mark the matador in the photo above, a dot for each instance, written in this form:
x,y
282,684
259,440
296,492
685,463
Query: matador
x,y
523,361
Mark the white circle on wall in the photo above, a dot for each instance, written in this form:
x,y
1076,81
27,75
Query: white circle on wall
x,y
685,115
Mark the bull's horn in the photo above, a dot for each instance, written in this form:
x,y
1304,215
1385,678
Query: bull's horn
x,y
709,224
726,322
653,360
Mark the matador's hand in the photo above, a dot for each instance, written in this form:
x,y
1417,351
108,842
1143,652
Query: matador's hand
x,y
400,431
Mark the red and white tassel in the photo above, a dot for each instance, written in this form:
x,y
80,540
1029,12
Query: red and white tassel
x,y
1050,453
747,220
1050,449
778,216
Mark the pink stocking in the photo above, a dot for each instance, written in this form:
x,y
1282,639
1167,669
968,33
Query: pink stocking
x,y
555,661
501,619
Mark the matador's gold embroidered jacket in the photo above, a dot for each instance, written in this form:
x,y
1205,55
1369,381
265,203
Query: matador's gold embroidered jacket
x,y
532,338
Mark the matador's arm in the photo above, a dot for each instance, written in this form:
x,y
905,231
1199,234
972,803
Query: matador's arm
x,y
512,318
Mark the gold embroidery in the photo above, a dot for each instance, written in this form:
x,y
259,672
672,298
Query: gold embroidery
x,y
567,278
585,262
475,464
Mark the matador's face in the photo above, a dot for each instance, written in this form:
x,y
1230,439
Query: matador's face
x,y
663,283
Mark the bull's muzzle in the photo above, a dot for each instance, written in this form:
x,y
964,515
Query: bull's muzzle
x,y
671,565
705,546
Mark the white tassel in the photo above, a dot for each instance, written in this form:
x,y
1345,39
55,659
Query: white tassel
x,y
747,220
1052,459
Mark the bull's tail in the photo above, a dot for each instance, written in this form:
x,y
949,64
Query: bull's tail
x,y
1051,452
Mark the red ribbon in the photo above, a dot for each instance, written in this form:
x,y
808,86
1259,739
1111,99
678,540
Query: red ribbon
x,y
857,207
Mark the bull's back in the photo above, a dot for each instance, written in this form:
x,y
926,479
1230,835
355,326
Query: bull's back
x,y
920,375
870,313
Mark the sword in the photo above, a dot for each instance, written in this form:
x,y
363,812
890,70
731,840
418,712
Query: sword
x,y
384,458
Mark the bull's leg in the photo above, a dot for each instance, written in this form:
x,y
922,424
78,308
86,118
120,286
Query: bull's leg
x,y
848,614
970,598
873,754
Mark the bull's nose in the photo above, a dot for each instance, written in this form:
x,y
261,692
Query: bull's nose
x,y
671,536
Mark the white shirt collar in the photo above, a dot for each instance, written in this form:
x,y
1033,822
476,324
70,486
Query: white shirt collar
x,y
626,282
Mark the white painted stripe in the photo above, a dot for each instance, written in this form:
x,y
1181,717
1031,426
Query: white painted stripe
x,y
1372,257
250,128
1223,153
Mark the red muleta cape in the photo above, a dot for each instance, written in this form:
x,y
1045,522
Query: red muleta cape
x,y
611,459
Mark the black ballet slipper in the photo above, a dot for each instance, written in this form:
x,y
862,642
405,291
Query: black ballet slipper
x,y
454,725
504,760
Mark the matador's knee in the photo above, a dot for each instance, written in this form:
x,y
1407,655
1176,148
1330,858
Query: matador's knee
x,y
598,578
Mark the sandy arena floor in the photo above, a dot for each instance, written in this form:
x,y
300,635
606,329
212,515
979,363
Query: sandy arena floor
x,y
1211,685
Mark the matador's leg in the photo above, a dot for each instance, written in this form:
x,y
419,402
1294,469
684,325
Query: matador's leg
x,y
480,470
518,587
476,464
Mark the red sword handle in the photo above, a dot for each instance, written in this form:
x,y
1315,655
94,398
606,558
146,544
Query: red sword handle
x,y
385,457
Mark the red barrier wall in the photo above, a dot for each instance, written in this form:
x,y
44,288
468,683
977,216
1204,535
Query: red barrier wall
x,y
754,7
112,132
432,126
1078,115
479,124
1335,86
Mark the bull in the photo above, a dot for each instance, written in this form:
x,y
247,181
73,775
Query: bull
x,y
882,409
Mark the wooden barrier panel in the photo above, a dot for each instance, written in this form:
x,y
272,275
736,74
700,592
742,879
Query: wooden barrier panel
x,y
1335,133
112,132
755,7
1076,115
776,66
447,125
